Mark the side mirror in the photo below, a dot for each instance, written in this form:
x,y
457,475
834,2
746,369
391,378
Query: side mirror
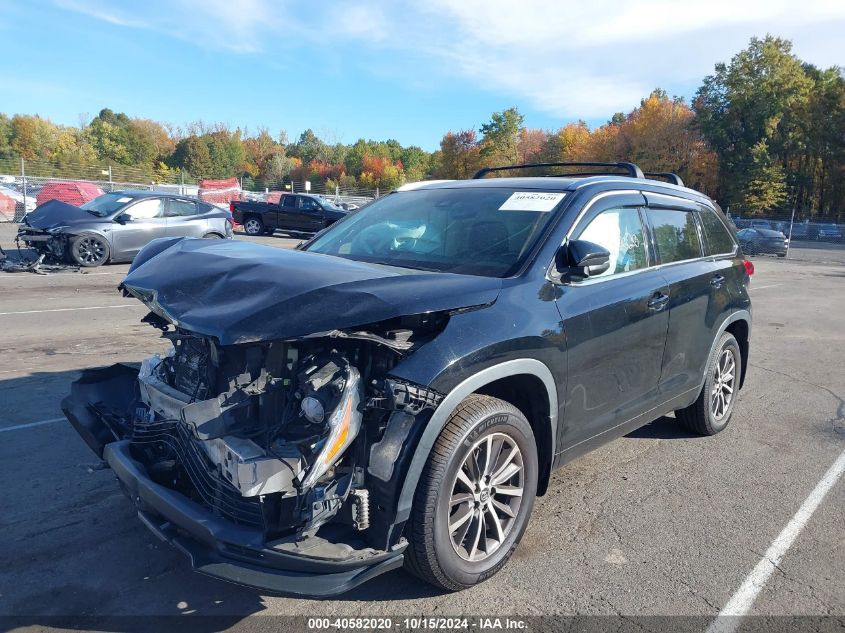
x,y
123,218
580,259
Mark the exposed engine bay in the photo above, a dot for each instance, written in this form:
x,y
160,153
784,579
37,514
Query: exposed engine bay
x,y
283,436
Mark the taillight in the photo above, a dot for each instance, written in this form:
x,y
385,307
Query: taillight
x,y
231,207
749,266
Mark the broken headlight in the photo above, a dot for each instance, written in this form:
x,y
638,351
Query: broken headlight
x,y
334,381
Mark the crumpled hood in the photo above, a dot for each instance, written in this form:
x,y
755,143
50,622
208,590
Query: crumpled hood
x,y
55,213
240,292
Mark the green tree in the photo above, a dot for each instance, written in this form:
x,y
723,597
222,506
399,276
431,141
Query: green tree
x,y
416,163
5,136
309,147
192,155
500,138
765,188
757,98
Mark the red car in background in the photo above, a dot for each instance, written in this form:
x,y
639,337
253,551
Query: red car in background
x,y
69,191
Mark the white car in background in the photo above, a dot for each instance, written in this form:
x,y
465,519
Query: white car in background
x,y
17,196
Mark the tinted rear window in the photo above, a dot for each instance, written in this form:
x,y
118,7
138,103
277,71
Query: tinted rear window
x,y
719,240
676,234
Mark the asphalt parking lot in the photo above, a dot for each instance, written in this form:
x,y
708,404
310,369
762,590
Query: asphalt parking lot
x,y
657,523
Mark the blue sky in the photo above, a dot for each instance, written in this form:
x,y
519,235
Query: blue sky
x,y
380,69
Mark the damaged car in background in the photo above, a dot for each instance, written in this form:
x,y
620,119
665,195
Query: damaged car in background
x,y
115,226
398,389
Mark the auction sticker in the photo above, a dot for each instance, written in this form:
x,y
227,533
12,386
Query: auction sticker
x,y
532,201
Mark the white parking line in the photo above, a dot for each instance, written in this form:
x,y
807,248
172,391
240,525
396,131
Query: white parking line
x,y
741,602
121,305
761,287
18,427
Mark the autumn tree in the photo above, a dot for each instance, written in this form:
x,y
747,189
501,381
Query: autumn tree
x,y
460,155
569,144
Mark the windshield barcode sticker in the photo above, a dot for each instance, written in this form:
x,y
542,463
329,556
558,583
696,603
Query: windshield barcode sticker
x,y
532,201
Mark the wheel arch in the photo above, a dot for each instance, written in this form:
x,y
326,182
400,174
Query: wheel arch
x,y
498,381
738,324
741,330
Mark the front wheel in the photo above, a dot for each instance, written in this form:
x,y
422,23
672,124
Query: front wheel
x,y
89,251
712,410
475,495
253,226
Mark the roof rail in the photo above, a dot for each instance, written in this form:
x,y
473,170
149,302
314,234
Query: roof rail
x,y
674,179
631,168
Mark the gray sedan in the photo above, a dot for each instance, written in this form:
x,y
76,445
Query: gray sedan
x,y
116,225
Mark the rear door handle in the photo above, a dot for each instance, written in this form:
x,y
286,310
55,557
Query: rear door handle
x,y
658,300
717,280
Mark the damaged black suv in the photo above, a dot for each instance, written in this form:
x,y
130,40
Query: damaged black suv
x,y
398,389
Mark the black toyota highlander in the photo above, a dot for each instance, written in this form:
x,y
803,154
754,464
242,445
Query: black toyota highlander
x,y
398,389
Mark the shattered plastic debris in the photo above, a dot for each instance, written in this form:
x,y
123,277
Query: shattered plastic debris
x,y
29,265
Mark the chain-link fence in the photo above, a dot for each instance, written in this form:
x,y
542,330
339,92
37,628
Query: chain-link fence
x,y
24,184
793,234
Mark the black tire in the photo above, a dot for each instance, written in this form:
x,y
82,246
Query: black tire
x,y
89,250
431,554
253,225
700,417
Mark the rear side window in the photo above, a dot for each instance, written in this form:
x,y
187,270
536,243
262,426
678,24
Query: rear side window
x,y
177,208
289,202
719,240
619,231
676,234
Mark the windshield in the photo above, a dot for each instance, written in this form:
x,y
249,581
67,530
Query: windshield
x,y
106,204
473,231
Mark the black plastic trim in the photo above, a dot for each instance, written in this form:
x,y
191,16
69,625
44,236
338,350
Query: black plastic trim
x,y
236,553
631,168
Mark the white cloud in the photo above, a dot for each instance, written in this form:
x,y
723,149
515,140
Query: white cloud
x,y
239,26
565,58
586,60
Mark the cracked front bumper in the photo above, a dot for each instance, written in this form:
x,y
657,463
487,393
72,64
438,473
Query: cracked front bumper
x,y
232,552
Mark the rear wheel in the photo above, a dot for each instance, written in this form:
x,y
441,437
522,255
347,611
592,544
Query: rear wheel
x,y
712,410
90,250
475,495
253,226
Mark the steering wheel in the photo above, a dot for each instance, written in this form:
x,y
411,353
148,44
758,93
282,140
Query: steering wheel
x,y
421,245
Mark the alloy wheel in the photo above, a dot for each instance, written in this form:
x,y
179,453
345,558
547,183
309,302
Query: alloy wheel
x,y
90,250
486,497
724,381
252,227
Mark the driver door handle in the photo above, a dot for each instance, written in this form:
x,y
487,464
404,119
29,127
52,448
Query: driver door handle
x,y
658,300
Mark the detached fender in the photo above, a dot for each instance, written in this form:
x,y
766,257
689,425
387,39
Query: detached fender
x,y
100,401
443,412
